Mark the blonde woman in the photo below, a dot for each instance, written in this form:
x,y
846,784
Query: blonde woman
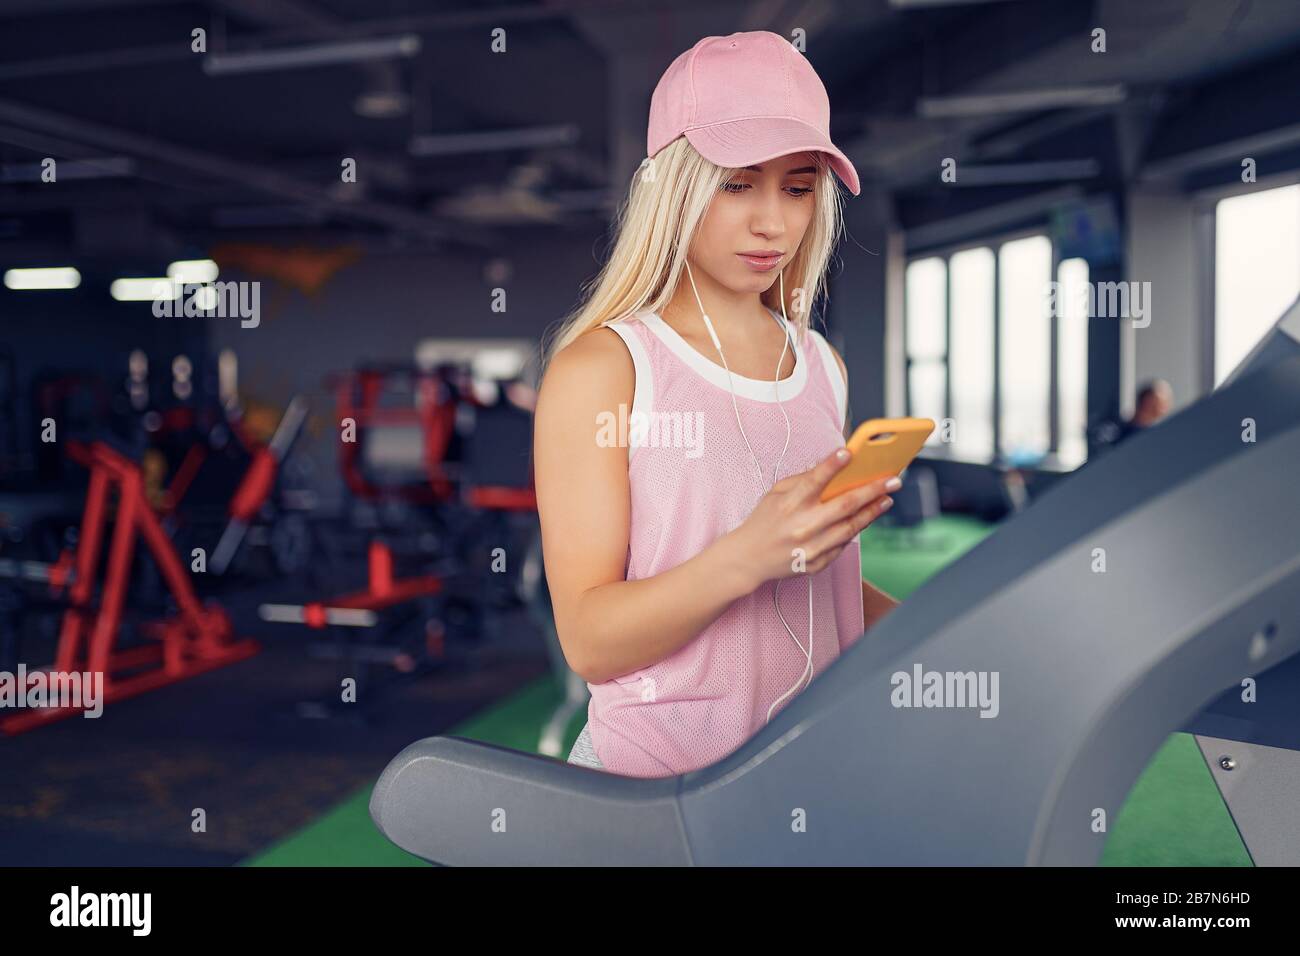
x,y
689,417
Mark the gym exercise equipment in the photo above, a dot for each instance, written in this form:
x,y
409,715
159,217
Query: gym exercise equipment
x,y
1115,609
363,609
405,423
198,638
481,502
383,591
367,627
258,482
496,511
227,496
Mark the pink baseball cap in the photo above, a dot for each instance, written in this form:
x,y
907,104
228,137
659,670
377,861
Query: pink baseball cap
x,y
743,99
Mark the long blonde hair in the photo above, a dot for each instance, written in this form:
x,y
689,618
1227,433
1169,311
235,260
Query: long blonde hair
x,y
656,222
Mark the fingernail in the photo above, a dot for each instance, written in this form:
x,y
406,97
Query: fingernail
x,y
893,484
842,455
887,504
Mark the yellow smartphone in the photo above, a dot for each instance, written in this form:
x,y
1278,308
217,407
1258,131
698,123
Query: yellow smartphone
x,y
880,447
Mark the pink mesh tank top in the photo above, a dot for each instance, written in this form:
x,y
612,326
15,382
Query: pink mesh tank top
x,y
692,481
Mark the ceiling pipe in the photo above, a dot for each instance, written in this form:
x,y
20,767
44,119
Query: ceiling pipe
x,y
245,174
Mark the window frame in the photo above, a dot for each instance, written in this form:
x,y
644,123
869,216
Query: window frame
x,y
947,330
1205,203
994,243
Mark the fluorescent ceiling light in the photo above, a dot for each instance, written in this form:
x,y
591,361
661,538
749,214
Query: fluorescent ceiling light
x,y
206,298
490,141
59,277
144,290
317,54
1024,101
193,271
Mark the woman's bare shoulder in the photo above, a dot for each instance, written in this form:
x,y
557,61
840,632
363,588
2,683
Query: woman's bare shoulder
x,y
595,366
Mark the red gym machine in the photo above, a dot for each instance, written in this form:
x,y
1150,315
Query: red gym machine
x,y
361,608
258,482
382,591
419,406
361,397
198,638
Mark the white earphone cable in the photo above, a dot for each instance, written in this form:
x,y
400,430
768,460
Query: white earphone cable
x,y
785,323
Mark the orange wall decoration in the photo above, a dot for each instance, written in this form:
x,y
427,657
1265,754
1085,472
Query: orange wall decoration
x,y
303,268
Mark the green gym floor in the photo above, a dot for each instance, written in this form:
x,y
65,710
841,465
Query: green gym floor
x,y
1173,816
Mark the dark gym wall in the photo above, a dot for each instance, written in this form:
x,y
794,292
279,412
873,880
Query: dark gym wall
x,y
856,318
82,331
377,310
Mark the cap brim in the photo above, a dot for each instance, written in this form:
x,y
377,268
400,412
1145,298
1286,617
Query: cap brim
x,y
747,142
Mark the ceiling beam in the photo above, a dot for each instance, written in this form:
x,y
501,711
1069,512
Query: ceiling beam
x,y
255,177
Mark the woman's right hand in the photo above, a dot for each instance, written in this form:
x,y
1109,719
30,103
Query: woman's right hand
x,y
792,532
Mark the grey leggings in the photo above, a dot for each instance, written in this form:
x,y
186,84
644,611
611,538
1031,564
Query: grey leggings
x,y
582,753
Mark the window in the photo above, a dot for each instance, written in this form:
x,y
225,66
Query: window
x,y
1025,347
926,306
1256,270
979,350
972,352
1072,362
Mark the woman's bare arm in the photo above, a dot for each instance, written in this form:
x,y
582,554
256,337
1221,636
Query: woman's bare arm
x,y
607,625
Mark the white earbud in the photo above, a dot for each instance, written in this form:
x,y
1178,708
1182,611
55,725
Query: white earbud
x,y
785,326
